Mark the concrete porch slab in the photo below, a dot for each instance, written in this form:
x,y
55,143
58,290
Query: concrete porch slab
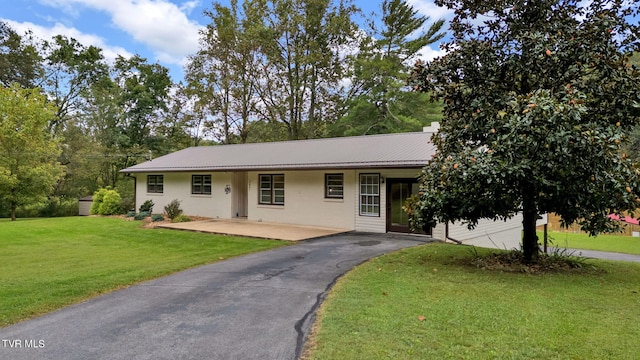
x,y
263,230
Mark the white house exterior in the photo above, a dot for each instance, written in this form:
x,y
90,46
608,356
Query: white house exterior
x,y
354,183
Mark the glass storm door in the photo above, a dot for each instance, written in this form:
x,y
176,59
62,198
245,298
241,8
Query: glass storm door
x,y
398,191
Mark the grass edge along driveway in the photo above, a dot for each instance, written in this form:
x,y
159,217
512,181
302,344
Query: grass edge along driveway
x,y
603,242
46,264
423,303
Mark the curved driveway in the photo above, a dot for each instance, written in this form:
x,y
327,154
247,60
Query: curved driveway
x,y
258,306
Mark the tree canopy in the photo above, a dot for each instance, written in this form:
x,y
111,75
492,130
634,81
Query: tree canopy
x,y
379,99
28,155
539,98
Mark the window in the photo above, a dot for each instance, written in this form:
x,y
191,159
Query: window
x,y
271,190
333,186
155,184
201,184
370,194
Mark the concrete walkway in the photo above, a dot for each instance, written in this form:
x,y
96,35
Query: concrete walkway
x,y
263,230
258,306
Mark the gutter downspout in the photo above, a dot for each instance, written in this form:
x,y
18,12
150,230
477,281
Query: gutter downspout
x,y
446,234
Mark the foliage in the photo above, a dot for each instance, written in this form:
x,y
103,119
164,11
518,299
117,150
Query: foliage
x,y
380,100
157,217
28,154
276,61
181,218
147,206
70,70
173,209
106,201
20,61
142,215
130,214
98,197
111,203
87,256
538,100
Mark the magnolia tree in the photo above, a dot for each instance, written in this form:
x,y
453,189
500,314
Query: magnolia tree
x,y
539,98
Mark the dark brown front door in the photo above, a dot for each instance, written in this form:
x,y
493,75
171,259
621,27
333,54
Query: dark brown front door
x,y
398,191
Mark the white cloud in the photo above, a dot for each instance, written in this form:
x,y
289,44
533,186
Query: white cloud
x,y
427,53
46,33
159,24
428,8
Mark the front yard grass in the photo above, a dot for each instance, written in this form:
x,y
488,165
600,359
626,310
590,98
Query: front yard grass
x,y
427,303
46,264
613,243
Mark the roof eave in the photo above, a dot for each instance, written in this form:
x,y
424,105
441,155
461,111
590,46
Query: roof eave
x,y
281,167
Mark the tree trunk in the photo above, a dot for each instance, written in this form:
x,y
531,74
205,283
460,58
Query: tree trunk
x,y
13,212
530,247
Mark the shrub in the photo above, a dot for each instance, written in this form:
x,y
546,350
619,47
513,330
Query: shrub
x,y
157,217
181,218
111,203
98,197
147,206
59,207
141,215
173,209
130,214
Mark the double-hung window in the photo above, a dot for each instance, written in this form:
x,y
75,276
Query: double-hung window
x,y
370,194
201,184
155,184
271,190
334,186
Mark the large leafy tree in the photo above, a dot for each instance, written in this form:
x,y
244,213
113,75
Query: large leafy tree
x,y
220,76
538,101
20,61
29,166
70,70
379,100
301,43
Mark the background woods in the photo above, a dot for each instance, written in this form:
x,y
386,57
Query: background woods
x,y
266,70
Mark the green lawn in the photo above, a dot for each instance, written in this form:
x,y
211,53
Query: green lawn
x,y
614,243
46,264
422,303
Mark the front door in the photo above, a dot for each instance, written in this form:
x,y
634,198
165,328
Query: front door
x,y
398,191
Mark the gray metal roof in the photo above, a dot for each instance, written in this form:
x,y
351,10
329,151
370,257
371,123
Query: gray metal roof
x,y
404,150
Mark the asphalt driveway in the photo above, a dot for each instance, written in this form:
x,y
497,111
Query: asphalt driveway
x,y
258,306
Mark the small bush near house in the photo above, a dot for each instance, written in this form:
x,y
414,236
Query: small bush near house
x,y
147,206
130,214
141,215
157,217
111,203
173,209
181,218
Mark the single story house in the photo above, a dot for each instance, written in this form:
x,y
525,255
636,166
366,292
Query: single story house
x,y
355,183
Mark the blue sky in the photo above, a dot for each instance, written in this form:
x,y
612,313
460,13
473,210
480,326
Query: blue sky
x,y
163,31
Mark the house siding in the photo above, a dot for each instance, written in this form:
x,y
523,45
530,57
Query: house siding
x,y
488,233
305,202
378,224
178,186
